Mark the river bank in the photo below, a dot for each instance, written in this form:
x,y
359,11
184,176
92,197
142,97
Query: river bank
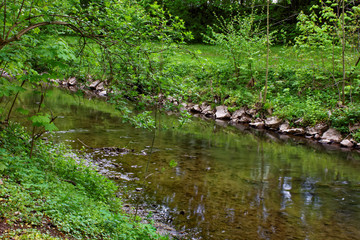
x,y
322,132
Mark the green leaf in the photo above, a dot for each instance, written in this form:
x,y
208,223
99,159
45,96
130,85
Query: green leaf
x,y
2,167
50,127
39,120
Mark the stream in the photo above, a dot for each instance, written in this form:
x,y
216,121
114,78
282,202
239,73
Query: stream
x,y
213,181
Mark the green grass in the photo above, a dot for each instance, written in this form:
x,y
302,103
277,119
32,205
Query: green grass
x,y
302,82
278,55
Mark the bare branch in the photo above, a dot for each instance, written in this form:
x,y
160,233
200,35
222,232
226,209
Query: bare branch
x,y
30,18
36,25
20,10
31,6
4,19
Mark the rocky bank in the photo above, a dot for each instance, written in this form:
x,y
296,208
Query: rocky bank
x,y
321,132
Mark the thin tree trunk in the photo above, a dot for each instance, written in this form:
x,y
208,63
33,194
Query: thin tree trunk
x,y
267,49
13,103
34,127
343,51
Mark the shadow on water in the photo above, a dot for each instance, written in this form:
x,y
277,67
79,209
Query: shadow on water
x,y
229,182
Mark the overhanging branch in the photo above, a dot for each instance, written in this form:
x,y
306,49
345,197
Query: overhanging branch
x,y
36,25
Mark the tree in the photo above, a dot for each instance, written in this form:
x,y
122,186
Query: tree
x,y
37,43
267,48
239,39
197,14
331,27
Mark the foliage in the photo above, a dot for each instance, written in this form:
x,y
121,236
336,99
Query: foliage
x,y
240,41
327,30
343,118
198,14
144,120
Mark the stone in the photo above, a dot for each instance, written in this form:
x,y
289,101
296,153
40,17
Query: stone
x,y
259,123
208,111
331,136
319,128
252,112
196,108
295,131
94,84
72,89
103,93
239,113
234,121
222,112
72,81
189,106
183,107
283,127
273,122
311,131
324,141
244,119
204,106
346,143
100,87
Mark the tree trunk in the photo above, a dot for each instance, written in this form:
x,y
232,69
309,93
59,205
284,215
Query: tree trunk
x,y
267,49
343,50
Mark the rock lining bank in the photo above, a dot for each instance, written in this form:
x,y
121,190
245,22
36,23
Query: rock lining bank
x,y
321,132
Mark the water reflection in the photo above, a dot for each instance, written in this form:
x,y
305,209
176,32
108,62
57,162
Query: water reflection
x,y
228,184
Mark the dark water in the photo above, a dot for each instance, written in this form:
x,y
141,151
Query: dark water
x,y
228,183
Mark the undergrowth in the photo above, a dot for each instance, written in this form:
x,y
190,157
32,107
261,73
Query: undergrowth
x,y
56,189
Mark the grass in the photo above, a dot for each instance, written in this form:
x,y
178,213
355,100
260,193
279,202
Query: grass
x,y
55,189
278,55
303,83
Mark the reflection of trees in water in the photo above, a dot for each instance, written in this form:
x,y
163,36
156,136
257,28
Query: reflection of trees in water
x,y
257,199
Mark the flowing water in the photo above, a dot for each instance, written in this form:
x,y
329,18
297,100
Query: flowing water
x,y
220,182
